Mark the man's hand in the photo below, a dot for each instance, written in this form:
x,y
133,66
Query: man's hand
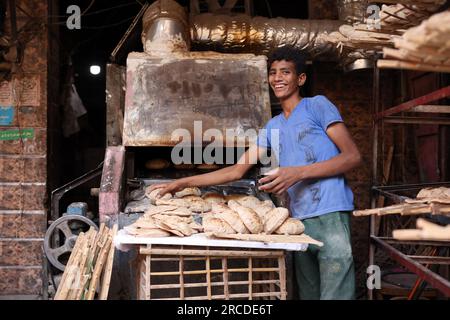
x,y
171,187
280,179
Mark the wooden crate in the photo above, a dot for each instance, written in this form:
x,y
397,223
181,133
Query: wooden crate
x,y
193,273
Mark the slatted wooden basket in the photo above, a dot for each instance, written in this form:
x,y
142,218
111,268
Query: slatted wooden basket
x,y
199,273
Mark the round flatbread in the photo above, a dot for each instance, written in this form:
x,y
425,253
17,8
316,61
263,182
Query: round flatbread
x,y
249,202
138,232
249,217
275,218
184,166
291,226
173,202
206,166
213,197
157,164
216,225
154,195
235,197
192,191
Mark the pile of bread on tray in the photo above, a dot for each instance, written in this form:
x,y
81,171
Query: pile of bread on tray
x,y
231,214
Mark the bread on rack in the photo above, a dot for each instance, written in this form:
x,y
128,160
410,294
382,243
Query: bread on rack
x,y
291,226
249,217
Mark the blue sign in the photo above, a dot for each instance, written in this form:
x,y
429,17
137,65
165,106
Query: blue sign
x,y
6,115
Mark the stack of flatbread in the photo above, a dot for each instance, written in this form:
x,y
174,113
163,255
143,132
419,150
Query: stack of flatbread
x,y
163,225
232,214
170,215
248,215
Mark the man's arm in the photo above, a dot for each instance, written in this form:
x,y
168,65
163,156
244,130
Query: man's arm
x,y
349,158
228,174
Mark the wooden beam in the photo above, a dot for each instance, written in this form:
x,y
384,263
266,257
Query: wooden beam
x,y
431,109
433,96
396,64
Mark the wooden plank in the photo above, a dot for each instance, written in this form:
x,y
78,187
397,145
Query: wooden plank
x,y
98,268
235,270
431,108
218,253
232,296
282,275
71,261
106,279
208,277
148,273
77,294
271,238
394,64
250,278
181,268
69,274
226,283
213,284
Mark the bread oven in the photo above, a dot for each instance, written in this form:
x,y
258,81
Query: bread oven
x,y
189,111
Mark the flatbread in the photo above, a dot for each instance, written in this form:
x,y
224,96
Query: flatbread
x,y
275,218
194,191
441,192
206,166
138,232
184,166
291,226
154,195
213,197
249,202
232,218
159,209
235,196
211,224
173,202
262,210
249,217
157,164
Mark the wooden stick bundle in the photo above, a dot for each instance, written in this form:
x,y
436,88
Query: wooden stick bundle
x,y
91,260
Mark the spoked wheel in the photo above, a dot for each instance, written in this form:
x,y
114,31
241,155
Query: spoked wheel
x,y
66,229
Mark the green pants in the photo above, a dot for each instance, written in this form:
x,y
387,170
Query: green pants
x,y
327,272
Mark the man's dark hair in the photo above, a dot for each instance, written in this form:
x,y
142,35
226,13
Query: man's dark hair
x,y
292,54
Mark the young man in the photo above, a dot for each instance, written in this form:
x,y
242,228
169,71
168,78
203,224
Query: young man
x,y
315,149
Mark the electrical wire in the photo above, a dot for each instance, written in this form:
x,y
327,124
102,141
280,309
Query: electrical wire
x,y
97,11
96,27
88,7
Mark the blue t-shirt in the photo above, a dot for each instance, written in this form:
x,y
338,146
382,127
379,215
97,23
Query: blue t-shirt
x,y
302,140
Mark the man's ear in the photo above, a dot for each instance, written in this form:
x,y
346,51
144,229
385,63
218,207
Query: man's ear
x,y
301,79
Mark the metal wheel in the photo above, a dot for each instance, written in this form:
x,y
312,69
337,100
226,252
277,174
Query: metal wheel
x,y
70,226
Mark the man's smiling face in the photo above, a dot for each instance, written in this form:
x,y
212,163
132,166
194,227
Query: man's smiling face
x,y
284,80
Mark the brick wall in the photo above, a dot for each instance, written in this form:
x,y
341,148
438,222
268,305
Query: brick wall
x,y
23,166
